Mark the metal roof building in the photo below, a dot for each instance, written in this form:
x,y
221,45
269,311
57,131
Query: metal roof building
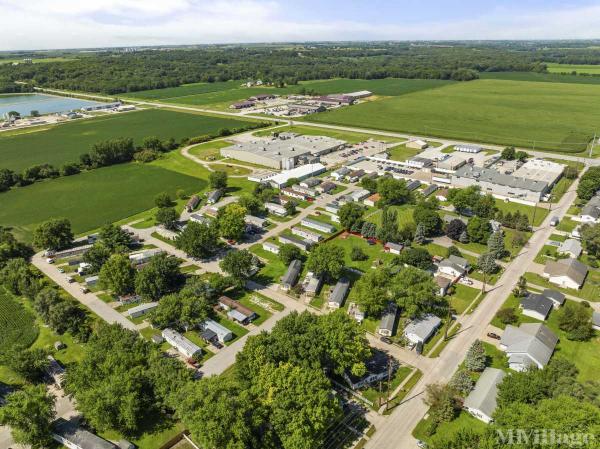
x,y
481,402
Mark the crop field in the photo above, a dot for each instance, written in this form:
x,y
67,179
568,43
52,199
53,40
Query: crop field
x,y
17,325
93,198
202,94
64,143
560,117
539,77
568,68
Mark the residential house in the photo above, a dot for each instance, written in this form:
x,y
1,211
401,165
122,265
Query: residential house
x,y
566,273
531,344
182,344
355,175
304,245
570,247
413,185
421,329
332,207
388,320
236,311
271,247
92,280
70,435
464,148
454,266
536,306
596,320
591,211
557,298
371,201
222,333
326,187
192,203
481,402
312,284
290,278
214,196
355,312
338,294
129,299
142,309
199,218
393,248
318,225
294,194
306,234
340,173
359,195
379,366
310,183
276,209
443,284
429,190
144,256
442,195
257,222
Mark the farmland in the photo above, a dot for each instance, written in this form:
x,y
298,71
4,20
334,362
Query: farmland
x,y
93,198
17,325
64,143
202,94
578,68
553,116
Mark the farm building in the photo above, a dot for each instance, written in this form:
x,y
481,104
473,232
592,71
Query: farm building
x,y
358,95
182,344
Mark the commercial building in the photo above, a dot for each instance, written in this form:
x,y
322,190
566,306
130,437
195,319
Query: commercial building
x,y
283,152
481,402
182,344
540,170
416,144
279,180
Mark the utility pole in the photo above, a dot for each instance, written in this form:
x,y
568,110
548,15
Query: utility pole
x,y
592,146
389,382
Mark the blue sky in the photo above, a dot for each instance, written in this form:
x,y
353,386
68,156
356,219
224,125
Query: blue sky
x,y
39,24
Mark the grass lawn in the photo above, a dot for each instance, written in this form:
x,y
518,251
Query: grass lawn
x,y
154,434
590,290
238,331
372,393
462,297
65,143
560,188
550,116
548,252
273,268
402,153
93,198
372,251
404,215
209,151
513,302
540,212
496,358
406,389
567,225
259,304
232,170
464,421
570,68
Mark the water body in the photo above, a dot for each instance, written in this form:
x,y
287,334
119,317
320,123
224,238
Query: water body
x,y
44,104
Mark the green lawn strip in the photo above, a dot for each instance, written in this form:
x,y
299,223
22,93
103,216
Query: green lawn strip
x,y
374,395
590,290
496,358
406,389
318,301
560,188
373,252
567,225
471,308
155,434
540,212
547,253
238,331
273,268
464,421
209,151
106,297
402,153
462,297
451,333
404,215
231,170
162,238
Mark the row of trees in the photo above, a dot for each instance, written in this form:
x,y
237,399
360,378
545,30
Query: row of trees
x,y
589,184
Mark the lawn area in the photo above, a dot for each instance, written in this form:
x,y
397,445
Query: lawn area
x,y
372,393
590,290
560,188
238,331
496,358
66,142
462,297
548,252
540,212
557,117
513,302
372,251
404,215
567,225
259,304
154,434
273,269
570,68
402,153
17,324
209,151
93,198
464,421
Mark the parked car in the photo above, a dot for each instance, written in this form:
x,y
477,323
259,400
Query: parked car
x,y
422,444
50,260
70,280
494,336
61,270
85,289
386,340
554,221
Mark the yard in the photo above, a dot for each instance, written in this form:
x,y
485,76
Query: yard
x,y
372,252
273,267
535,214
590,290
375,395
462,297
464,421
402,153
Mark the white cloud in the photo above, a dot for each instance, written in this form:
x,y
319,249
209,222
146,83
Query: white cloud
x,y
38,24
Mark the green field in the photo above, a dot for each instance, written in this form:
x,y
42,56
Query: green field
x,y
93,198
231,91
17,325
540,77
560,117
64,143
569,68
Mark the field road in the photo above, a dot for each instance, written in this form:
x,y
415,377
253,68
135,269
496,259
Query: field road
x,y
90,300
395,431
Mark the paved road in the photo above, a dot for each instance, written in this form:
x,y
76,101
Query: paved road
x,y
90,300
395,432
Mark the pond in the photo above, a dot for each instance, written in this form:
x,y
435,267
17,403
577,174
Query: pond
x,y
44,104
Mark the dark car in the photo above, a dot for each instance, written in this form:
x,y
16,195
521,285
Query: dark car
x,y
493,335
386,340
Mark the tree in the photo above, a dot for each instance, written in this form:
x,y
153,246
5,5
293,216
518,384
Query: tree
x,y
520,291
415,292
31,364
575,320
428,219
479,230
464,237
461,381
182,310
487,264
455,228
465,199
163,200
152,143
357,254
253,205
507,315
417,257
29,412
590,237
368,230
441,402
115,238
372,291
475,358
167,216
97,256
290,207
495,244
485,206
388,230
53,234
117,274
521,156
393,191
453,251
232,221
240,264
20,278
327,260
69,169
369,184
161,276
350,214
217,180
11,248
199,240
420,234
289,252
508,153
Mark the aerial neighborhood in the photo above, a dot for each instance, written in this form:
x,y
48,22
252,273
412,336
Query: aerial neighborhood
x,y
299,246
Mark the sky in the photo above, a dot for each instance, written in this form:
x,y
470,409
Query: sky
x,y
47,24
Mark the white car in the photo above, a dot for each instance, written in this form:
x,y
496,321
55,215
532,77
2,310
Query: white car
x,y
50,260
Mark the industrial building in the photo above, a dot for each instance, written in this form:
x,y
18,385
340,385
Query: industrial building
x,y
285,151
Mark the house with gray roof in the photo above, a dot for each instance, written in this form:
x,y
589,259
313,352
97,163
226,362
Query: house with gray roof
x,y
429,190
304,245
290,278
454,266
536,306
413,185
181,343
570,247
596,320
221,332
142,309
531,344
318,225
591,211
69,434
566,273
214,196
312,284
421,329
338,294
443,284
388,320
481,402
557,298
